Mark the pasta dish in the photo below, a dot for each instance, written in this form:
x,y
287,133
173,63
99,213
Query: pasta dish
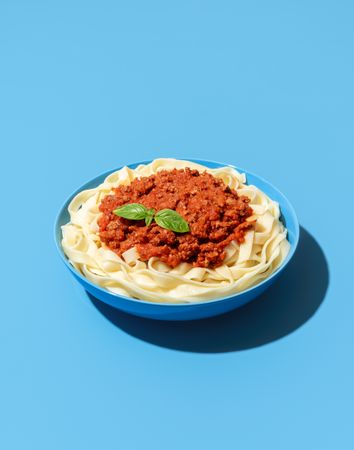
x,y
175,231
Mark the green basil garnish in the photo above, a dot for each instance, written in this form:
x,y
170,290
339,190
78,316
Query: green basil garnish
x,y
132,211
166,218
171,220
149,216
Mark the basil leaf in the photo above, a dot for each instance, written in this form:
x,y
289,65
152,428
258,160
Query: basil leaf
x,y
132,211
171,220
149,216
166,218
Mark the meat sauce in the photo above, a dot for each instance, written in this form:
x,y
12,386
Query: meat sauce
x,y
215,213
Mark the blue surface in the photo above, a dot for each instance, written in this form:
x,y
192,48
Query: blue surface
x,y
87,86
188,311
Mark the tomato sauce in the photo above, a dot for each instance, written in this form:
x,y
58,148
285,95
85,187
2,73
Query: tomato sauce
x,y
215,213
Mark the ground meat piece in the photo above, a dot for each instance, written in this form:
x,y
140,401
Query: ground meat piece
x,y
216,215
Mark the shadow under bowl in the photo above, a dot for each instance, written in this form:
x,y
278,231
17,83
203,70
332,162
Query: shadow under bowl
x,y
185,311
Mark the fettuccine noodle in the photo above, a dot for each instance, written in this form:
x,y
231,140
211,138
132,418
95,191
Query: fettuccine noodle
x,y
245,265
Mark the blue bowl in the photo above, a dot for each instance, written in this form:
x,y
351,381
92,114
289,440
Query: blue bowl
x,y
188,311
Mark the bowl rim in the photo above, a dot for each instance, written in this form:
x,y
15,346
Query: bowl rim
x,y
76,273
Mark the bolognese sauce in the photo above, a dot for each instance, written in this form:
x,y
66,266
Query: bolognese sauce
x,y
216,215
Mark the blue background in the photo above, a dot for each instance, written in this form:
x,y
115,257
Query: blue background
x,y
88,86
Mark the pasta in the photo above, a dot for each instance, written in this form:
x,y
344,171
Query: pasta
x,y
245,265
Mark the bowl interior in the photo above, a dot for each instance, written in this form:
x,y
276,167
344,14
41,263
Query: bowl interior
x,y
288,217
